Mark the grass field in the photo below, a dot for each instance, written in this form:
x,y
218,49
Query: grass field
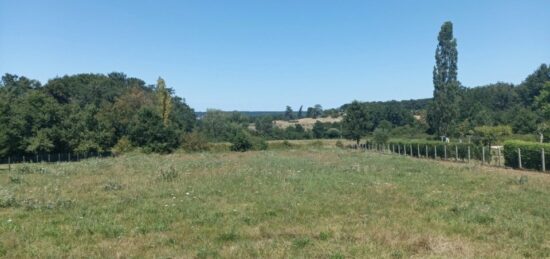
x,y
318,202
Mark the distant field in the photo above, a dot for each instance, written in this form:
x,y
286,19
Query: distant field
x,y
317,202
307,123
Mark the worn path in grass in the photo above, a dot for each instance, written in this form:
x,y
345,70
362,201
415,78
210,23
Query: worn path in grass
x,y
311,202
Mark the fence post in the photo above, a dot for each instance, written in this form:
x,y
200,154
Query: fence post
x,y
435,152
418,150
399,148
498,153
37,158
411,149
9,163
48,157
468,154
69,156
426,150
482,155
543,162
23,158
445,150
456,153
519,158
58,158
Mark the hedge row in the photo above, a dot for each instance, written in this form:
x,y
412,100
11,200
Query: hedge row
x,y
531,154
433,149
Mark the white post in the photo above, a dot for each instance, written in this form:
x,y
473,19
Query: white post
x,y
543,162
519,158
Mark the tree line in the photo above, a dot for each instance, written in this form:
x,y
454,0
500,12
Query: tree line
x,y
458,111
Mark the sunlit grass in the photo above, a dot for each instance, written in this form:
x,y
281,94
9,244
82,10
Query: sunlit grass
x,y
309,202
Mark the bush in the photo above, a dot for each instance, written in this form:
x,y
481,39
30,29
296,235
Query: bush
x,y
194,142
333,133
531,154
123,145
339,144
438,148
241,142
259,143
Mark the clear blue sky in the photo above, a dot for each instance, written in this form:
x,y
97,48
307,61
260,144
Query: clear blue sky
x,y
264,55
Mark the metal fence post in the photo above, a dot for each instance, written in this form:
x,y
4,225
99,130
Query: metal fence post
x,y
519,158
543,162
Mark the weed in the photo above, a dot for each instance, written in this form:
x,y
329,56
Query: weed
x,y
16,179
228,236
112,186
325,235
7,199
168,175
300,242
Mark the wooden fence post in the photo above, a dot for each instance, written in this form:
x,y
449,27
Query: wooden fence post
x,y
411,149
445,150
426,151
543,162
456,153
482,155
435,152
498,154
468,154
418,150
399,148
519,158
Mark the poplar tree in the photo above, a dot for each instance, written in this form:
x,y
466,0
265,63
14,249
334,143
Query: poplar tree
x,y
165,101
444,107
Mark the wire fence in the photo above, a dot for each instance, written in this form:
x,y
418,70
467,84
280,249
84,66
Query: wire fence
x,y
53,157
517,158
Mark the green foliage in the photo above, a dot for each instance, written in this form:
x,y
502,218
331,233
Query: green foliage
x,y
443,110
194,142
333,133
318,130
289,113
165,101
148,131
123,145
241,141
356,122
531,154
488,135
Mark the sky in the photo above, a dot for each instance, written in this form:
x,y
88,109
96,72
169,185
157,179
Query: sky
x,y
261,55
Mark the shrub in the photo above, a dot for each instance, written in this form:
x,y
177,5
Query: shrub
x,y
194,142
281,145
241,142
333,133
531,154
123,145
339,144
259,143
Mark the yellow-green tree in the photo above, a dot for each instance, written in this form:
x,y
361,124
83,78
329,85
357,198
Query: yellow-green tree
x,y
165,101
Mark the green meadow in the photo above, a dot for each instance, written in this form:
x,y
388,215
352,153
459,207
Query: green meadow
x,y
308,202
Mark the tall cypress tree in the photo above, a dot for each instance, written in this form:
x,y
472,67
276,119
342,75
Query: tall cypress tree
x,y
165,101
444,107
